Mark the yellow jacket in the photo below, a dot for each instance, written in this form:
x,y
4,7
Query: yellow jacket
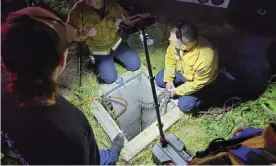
x,y
198,66
106,37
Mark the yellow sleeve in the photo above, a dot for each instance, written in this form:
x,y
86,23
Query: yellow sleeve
x,y
75,20
119,11
203,76
170,65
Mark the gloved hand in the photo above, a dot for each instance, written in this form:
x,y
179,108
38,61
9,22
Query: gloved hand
x,y
118,21
170,85
239,131
92,58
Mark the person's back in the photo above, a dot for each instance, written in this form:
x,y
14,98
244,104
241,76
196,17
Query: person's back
x,y
41,131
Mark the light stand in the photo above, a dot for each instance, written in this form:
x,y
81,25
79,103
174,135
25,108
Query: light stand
x,y
151,78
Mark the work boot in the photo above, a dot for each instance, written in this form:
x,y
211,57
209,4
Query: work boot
x,y
118,142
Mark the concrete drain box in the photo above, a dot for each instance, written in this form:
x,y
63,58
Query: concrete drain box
x,y
138,122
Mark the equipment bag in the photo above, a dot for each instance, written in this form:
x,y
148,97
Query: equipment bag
x,y
10,154
246,149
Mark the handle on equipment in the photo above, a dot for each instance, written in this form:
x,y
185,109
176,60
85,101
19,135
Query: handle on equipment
x,y
151,77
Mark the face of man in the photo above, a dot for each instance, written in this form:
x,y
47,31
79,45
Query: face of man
x,y
175,42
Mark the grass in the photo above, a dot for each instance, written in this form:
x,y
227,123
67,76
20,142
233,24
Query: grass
x,y
196,132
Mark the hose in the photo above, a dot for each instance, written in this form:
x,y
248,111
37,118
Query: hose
x,y
87,101
122,111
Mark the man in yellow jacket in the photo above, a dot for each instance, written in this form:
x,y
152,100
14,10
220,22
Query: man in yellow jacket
x,y
98,23
191,65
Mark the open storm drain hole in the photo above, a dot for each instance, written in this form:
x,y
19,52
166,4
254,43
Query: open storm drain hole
x,y
140,112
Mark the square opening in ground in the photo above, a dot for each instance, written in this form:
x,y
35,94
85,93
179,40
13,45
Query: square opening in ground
x,y
140,112
138,122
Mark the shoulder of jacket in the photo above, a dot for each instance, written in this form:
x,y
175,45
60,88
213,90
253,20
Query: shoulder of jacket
x,y
207,54
112,3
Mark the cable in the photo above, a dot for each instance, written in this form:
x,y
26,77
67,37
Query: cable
x,y
122,111
269,97
225,108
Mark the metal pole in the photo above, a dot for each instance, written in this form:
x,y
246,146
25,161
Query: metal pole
x,y
151,78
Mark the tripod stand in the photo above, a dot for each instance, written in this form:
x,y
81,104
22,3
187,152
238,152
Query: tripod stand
x,y
170,150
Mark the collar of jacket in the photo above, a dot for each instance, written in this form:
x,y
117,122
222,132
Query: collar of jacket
x,y
107,5
190,57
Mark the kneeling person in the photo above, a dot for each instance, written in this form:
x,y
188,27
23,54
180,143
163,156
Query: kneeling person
x,y
98,24
191,64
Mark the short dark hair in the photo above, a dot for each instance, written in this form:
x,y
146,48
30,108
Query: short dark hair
x,y
186,32
29,56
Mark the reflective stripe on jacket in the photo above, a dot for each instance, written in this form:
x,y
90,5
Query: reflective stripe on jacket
x,y
198,66
106,37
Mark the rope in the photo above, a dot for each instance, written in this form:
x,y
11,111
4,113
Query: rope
x,y
224,109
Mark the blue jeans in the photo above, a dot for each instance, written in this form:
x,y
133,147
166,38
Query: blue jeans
x,y
128,57
192,102
108,157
